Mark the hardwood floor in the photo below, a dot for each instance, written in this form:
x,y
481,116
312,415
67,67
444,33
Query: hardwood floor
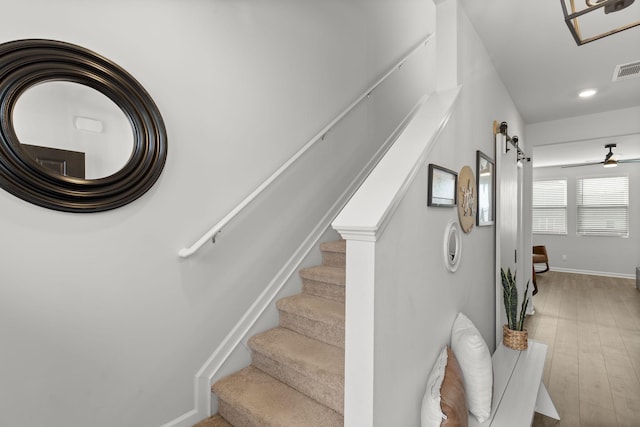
x,y
592,327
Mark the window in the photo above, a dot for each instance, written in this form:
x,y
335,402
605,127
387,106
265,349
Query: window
x,y
549,207
603,206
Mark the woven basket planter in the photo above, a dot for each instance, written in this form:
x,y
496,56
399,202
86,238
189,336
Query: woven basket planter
x,y
516,340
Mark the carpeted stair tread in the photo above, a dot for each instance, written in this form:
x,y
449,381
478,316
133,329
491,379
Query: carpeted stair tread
x,y
313,307
301,353
316,317
308,365
324,273
334,253
339,246
324,281
250,397
215,421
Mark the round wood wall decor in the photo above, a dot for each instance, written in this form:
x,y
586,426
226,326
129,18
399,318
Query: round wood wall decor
x,y
467,199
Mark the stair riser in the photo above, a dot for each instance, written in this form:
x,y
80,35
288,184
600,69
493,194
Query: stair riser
x,y
215,421
234,417
325,290
326,333
239,419
329,394
334,259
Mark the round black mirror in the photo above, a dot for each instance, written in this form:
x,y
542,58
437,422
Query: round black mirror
x,y
93,161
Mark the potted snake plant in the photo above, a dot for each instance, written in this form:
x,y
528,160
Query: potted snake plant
x,y
514,334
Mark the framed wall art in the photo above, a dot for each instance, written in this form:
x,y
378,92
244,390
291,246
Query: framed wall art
x,y
467,199
442,187
486,185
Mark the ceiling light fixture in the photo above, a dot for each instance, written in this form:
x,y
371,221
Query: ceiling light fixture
x,y
587,93
609,161
587,24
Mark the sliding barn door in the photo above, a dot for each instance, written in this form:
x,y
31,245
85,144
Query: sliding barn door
x,y
507,220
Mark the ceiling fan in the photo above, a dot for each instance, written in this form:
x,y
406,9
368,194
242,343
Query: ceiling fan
x,y
608,161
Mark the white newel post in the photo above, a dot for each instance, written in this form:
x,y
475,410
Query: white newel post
x,y
359,333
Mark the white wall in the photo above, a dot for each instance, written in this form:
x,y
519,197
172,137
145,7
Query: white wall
x,y
608,123
597,255
101,323
416,299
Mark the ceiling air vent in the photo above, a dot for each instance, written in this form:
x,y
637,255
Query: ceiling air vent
x,y
626,71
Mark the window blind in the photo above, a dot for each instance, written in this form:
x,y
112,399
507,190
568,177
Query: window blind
x,y
603,206
549,207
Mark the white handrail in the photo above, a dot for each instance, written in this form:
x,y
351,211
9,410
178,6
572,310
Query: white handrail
x,y
210,235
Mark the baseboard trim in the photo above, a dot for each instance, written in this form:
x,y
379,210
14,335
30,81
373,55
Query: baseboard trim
x,y
188,419
204,379
594,273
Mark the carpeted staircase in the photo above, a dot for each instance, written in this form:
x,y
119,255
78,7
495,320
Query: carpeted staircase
x,y
296,377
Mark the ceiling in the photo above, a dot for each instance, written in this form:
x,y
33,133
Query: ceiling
x,y
543,68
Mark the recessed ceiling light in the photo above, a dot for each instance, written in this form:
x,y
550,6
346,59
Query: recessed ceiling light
x,y
587,93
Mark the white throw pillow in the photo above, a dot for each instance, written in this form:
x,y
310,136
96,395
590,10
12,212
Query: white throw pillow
x,y
475,361
431,413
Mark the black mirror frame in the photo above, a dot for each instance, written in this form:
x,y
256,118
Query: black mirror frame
x,y
25,63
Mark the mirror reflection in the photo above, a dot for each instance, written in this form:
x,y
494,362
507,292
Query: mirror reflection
x,y
452,246
485,186
73,130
